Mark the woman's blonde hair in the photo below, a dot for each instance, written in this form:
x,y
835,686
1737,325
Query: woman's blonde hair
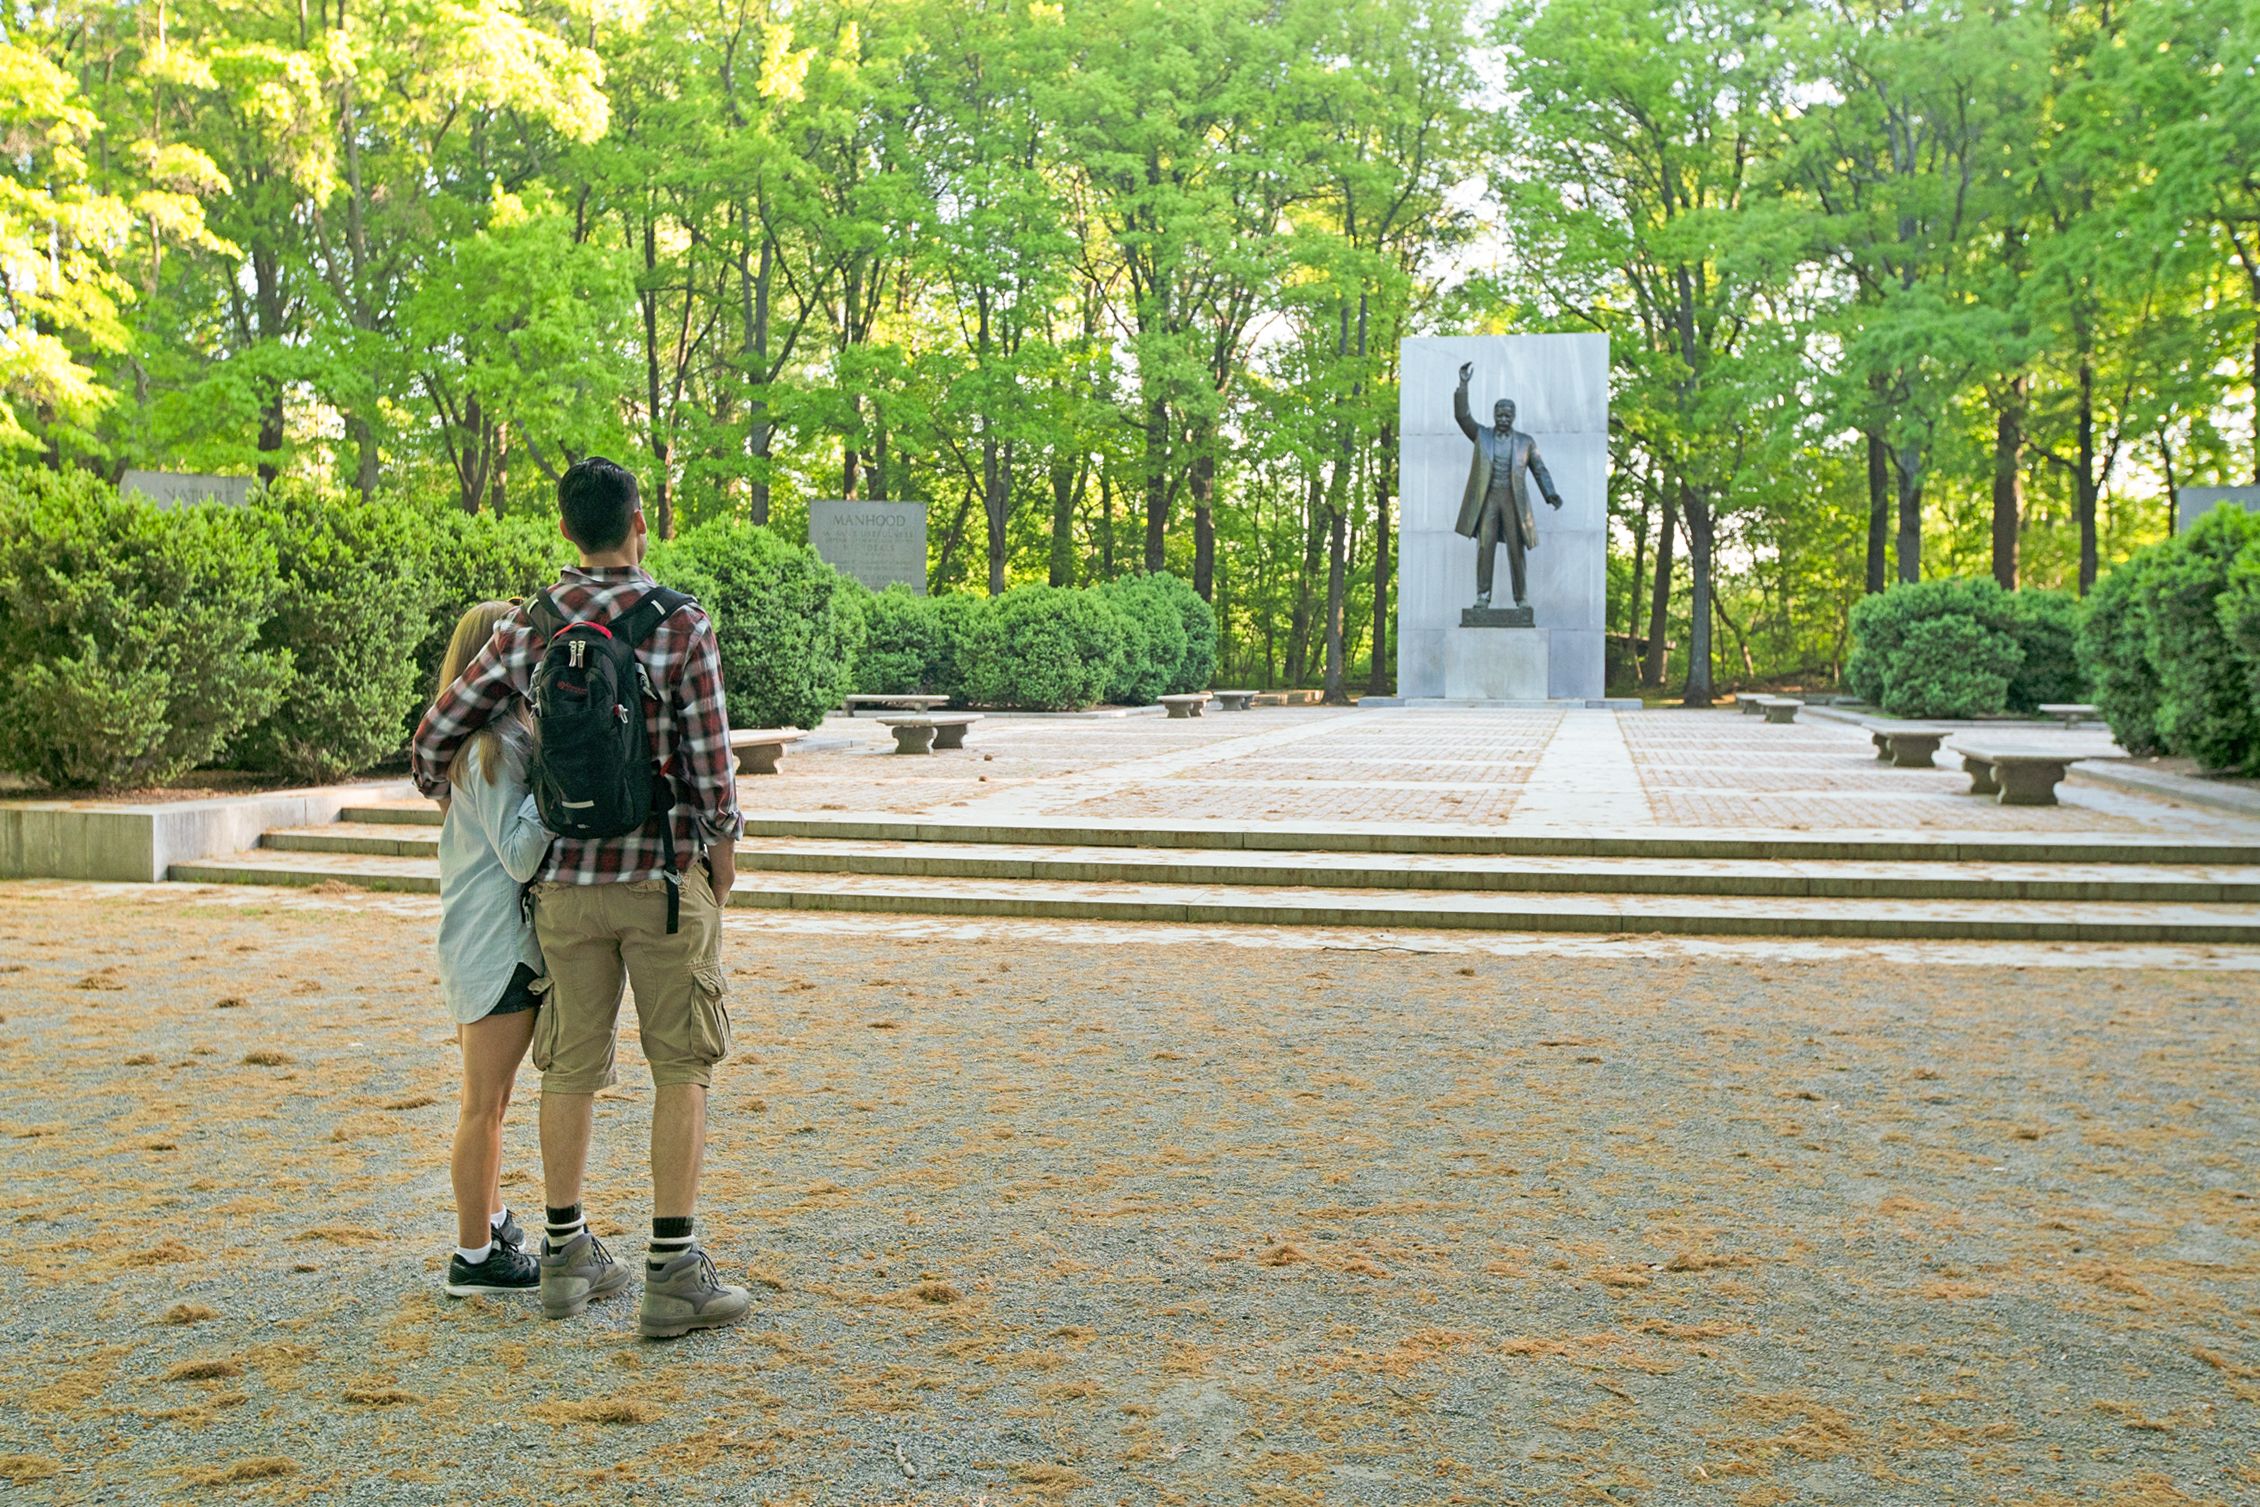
x,y
472,631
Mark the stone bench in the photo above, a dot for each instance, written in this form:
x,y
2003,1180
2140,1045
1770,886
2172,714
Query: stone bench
x,y
1749,706
1907,745
759,748
917,735
907,701
1779,709
1187,705
1234,701
2014,776
2071,713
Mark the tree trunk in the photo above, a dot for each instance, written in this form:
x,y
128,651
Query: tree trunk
x,y
2088,485
1640,525
1908,464
1064,489
1384,465
1659,609
2008,482
753,295
996,503
1697,510
1314,544
266,272
501,480
1337,577
1106,523
1157,485
664,504
1879,511
358,428
1204,525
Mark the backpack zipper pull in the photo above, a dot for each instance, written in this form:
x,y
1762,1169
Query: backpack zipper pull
x,y
580,648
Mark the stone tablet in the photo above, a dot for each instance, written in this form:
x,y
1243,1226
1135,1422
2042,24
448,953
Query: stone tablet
x,y
2196,502
172,489
878,543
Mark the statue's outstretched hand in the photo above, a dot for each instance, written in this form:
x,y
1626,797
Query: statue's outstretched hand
x,y
1467,370
1555,500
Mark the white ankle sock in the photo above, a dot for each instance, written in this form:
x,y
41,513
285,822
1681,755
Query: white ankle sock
x,y
475,1257
495,1220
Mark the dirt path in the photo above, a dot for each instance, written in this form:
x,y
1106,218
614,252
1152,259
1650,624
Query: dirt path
x,y
1146,1224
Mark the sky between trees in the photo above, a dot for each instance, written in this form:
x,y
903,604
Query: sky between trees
x,y
1893,287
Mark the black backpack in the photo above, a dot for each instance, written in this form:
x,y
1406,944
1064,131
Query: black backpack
x,y
593,773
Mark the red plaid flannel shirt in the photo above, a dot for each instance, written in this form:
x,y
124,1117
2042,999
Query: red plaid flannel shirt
x,y
685,667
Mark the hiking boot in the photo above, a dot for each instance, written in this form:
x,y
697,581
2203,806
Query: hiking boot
x,y
575,1273
504,1270
508,1233
684,1295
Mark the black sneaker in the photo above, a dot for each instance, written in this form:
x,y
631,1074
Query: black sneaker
x,y
508,1233
505,1269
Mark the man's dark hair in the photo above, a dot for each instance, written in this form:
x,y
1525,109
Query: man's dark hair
x,y
597,499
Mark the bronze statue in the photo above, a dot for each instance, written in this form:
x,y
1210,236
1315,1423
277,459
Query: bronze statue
x,y
1496,507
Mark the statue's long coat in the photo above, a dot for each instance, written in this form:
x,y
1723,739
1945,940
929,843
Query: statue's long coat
x,y
1522,460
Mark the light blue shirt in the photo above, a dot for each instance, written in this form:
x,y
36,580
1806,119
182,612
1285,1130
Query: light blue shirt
x,y
490,845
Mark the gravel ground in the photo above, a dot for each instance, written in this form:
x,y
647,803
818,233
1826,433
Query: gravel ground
x,y
1167,1223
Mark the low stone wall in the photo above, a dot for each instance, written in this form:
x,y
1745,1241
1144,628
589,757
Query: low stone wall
x,y
139,843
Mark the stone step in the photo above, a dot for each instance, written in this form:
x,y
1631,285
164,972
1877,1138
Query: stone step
x,y
1817,879
2005,920
1660,842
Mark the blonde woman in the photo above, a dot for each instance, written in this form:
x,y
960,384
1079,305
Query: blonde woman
x,y
491,843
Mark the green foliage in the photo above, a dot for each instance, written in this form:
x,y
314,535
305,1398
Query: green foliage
x,y
1153,640
913,643
789,625
1950,667
2114,651
2046,626
1910,668
131,632
2207,709
475,557
1197,664
356,605
1044,648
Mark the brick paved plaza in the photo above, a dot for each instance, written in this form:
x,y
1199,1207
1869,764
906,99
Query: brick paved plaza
x,y
1523,769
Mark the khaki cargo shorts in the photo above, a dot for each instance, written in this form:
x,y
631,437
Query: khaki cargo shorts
x,y
597,938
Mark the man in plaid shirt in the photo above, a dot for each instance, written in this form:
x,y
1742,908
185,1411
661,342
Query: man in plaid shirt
x,y
600,910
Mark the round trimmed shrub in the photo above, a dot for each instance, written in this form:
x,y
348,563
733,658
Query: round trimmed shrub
x,y
913,644
355,606
2046,626
1043,648
2206,707
789,625
898,643
1950,667
132,631
1198,664
2114,651
1912,670
1153,640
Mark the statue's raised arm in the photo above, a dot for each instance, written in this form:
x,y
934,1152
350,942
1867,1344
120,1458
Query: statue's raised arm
x,y
1459,401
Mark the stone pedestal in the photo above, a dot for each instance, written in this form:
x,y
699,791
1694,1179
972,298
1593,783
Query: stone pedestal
x,y
1497,664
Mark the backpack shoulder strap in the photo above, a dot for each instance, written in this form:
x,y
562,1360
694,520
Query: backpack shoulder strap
x,y
651,609
543,613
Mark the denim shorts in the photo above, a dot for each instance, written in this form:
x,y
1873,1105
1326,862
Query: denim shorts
x,y
520,993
